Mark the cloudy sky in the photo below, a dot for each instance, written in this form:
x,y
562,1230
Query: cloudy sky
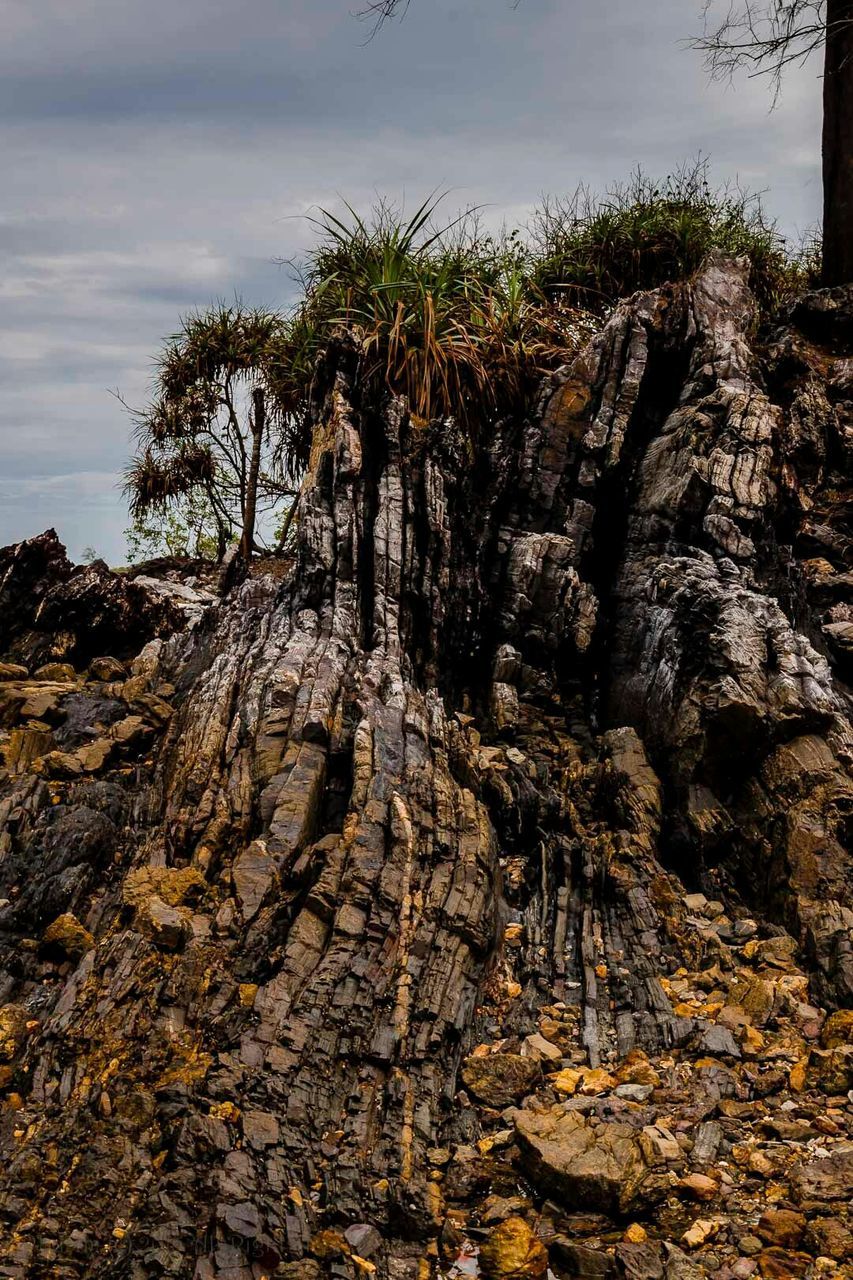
x,y
158,154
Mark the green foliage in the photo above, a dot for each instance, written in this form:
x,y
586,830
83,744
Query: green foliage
x,y
642,234
186,526
196,437
465,324
446,316
461,323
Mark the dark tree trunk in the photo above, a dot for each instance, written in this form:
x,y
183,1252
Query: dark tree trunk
x,y
293,909
258,426
838,145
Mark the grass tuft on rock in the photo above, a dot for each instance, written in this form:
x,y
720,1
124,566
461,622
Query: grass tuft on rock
x,y
465,324
640,235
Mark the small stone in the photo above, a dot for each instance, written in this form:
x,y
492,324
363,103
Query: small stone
x,y
176,886
761,1164
253,873
635,1068
165,926
837,1030
95,755
60,765
363,1239
719,1043
260,1129
634,1092
596,1080
783,1264
68,936
750,1245
831,1070
700,1187
781,1227
635,1234
752,1042
14,1020
55,673
107,669
797,1076
513,1252
499,1079
659,1146
702,1230
567,1080
536,1046
830,1178
242,1219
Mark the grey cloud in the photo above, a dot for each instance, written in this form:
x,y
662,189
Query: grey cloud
x,y
157,156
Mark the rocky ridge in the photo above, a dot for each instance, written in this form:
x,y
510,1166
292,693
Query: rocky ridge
x,y
475,899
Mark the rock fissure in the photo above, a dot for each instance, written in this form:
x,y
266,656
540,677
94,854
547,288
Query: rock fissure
x,y
482,885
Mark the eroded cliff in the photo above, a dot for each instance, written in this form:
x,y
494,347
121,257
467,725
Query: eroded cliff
x,y
478,893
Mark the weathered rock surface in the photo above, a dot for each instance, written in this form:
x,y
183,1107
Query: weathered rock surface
x,y
530,783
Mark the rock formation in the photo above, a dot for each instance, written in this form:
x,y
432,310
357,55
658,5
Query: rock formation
x,y
480,889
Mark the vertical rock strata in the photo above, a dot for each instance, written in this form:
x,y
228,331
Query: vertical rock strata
x,y
481,885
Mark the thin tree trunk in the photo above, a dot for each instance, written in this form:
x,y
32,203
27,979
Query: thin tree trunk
x,y
838,144
288,524
257,424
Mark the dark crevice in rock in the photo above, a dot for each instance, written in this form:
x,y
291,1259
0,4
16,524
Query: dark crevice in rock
x,y
337,925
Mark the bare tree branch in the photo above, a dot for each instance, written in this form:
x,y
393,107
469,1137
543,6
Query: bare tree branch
x,y
762,38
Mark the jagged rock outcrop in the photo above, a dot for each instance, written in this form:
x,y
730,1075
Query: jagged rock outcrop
x,y
51,610
530,784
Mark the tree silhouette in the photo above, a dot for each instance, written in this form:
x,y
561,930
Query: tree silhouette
x,y
218,425
766,36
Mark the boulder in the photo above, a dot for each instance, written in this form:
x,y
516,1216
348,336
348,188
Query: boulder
x,y
837,1030
12,671
499,1079
587,1168
56,673
828,1179
107,669
165,926
783,1227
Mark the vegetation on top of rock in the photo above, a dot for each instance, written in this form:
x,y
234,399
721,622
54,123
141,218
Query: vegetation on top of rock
x,y
463,324
643,234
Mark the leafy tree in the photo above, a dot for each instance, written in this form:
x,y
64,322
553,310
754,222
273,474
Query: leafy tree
x,y
220,424
187,526
766,36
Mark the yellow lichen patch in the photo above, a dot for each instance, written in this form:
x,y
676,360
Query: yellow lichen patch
x,y
227,1111
173,885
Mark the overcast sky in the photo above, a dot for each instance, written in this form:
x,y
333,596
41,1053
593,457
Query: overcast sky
x,y
158,154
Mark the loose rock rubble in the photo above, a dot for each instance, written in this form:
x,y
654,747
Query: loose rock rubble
x,y
472,895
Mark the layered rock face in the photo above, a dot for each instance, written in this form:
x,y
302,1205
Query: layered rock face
x,y
476,897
